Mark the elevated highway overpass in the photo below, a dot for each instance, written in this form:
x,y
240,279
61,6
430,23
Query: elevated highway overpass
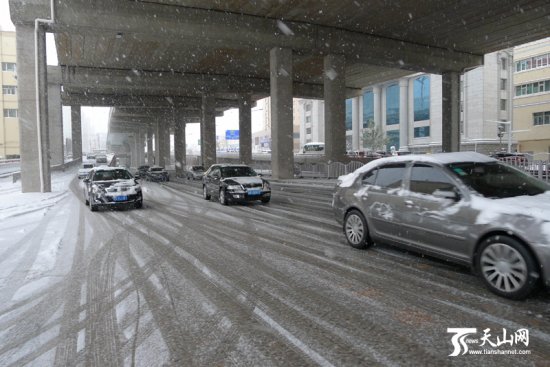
x,y
189,60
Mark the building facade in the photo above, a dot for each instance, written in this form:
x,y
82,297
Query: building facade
x,y
409,110
9,121
531,121
261,134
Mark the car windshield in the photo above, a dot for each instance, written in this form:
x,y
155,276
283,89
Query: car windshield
x,y
497,180
197,169
156,169
238,172
119,174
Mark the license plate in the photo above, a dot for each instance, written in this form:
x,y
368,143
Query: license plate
x,y
254,192
121,198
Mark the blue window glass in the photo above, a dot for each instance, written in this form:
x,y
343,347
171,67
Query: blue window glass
x,y
393,139
422,98
348,114
392,105
368,109
422,132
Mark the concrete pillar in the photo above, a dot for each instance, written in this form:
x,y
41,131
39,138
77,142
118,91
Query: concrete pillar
x,y
451,112
404,115
76,129
245,130
335,108
356,124
376,101
55,122
208,131
150,151
159,142
167,147
141,147
33,135
180,144
132,140
282,156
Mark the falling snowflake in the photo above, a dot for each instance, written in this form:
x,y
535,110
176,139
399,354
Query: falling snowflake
x,y
331,74
283,72
284,28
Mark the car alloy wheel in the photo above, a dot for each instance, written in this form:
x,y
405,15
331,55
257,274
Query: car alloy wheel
x,y
507,267
355,229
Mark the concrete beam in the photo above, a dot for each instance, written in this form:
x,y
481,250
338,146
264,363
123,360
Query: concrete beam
x,y
103,81
214,29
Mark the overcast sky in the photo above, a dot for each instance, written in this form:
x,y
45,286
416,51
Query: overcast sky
x,y
5,21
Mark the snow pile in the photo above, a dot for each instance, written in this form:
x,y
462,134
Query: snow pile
x,y
14,203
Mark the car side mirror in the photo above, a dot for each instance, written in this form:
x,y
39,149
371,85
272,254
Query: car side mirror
x,y
447,194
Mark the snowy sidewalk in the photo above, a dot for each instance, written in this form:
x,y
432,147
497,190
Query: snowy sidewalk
x,y
14,203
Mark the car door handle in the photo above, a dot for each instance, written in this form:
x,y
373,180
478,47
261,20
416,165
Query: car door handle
x,y
409,203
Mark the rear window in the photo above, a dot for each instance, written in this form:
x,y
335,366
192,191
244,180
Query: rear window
x,y
88,165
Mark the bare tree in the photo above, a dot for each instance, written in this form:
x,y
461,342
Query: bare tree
x,y
373,137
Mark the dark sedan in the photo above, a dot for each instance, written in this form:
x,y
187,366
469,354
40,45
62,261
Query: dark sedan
x,y
235,183
142,171
157,174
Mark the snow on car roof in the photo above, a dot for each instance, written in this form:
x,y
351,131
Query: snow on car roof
x,y
438,158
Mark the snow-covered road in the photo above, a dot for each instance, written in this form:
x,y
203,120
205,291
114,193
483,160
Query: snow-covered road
x,y
186,282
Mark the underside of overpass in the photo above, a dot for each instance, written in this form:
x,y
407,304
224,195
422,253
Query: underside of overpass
x,y
165,63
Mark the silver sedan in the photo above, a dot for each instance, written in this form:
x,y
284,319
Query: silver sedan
x,y
463,207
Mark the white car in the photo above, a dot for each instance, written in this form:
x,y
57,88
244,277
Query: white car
x,y
84,170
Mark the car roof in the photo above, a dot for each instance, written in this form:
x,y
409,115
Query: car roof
x,y
222,165
108,168
439,158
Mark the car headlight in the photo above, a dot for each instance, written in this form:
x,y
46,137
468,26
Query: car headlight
x,y
266,186
97,188
234,187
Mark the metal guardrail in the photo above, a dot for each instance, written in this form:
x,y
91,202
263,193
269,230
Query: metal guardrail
x,y
537,168
310,169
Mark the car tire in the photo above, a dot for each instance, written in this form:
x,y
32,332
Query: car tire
x,y
205,194
92,206
222,197
356,230
139,203
507,268
86,201
266,200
